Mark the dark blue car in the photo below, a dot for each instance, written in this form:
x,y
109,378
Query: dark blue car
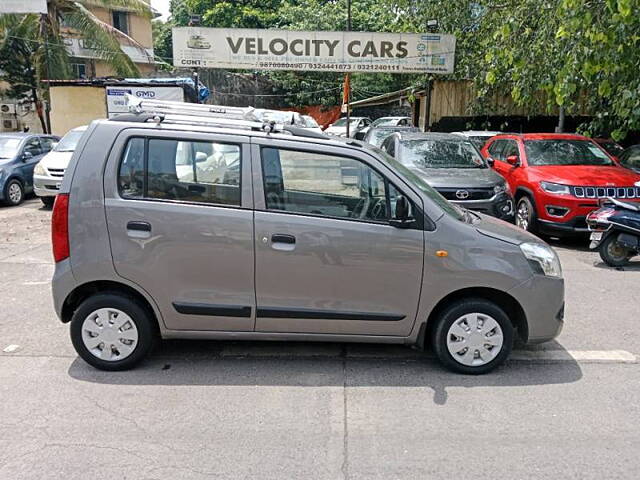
x,y
19,154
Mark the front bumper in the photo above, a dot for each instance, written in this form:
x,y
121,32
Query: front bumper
x,y
499,206
542,299
46,186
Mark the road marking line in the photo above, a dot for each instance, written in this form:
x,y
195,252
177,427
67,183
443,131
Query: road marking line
x,y
11,348
583,356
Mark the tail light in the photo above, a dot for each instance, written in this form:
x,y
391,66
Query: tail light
x,y
60,227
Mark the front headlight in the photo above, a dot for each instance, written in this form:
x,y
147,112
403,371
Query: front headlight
x,y
555,188
543,259
39,170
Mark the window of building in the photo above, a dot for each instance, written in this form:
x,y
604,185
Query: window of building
x,y
327,185
79,70
190,171
120,21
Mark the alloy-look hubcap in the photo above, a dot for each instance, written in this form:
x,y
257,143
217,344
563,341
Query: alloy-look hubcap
x,y
474,339
109,334
15,193
522,216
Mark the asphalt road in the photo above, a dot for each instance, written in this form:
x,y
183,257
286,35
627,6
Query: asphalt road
x,y
231,410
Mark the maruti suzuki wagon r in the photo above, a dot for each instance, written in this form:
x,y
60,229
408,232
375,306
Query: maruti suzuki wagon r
x,y
217,229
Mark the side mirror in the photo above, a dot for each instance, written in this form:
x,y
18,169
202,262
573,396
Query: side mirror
x,y
513,160
26,156
201,157
401,218
490,161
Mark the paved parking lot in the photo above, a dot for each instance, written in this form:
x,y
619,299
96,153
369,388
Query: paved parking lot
x,y
201,410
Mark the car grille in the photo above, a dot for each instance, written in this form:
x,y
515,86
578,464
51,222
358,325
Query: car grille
x,y
56,172
473,193
602,192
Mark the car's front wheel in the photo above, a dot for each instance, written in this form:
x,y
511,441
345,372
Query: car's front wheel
x,y
112,331
526,214
14,192
473,336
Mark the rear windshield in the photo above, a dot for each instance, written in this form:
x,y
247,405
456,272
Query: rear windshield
x,y
69,141
565,152
440,154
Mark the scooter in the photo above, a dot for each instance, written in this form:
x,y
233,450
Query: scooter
x,y
615,231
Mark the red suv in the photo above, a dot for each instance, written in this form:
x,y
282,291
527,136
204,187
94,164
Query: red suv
x,y
557,179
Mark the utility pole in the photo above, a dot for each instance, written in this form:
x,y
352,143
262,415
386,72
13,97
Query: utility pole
x,y
347,77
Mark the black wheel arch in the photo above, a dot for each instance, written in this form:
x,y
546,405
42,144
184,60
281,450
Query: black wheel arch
x,y
506,302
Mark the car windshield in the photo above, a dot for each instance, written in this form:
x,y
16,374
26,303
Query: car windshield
x,y
443,203
377,135
565,152
9,147
69,141
342,122
440,154
612,148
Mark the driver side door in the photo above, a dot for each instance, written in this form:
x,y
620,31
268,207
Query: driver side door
x,y
327,259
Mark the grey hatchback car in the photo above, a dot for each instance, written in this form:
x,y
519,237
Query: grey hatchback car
x,y
176,229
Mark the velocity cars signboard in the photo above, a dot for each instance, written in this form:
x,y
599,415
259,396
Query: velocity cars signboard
x,y
315,51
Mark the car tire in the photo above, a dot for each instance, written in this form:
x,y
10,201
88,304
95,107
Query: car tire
x,y
612,254
482,327
525,215
112,331
48,201
13,192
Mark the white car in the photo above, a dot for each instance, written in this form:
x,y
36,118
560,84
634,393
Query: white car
x,y
49,172
478,137
356,124
311,123
385,122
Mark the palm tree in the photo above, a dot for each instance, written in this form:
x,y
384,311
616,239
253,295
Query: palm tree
x,y
34,44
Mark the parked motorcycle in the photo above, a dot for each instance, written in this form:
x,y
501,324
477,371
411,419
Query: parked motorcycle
x,y
615,231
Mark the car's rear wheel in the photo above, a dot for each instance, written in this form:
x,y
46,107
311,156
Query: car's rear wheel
x,y
473,336
112,331
612,253
14,192
48,201
526,217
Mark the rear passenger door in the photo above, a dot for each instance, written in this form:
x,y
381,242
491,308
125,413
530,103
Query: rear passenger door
x,y
327,260
180,220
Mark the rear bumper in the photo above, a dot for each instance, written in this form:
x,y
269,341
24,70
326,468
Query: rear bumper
x,y
46,186
62,284
542,299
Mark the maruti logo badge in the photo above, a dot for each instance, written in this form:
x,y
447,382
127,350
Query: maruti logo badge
x,y
462,194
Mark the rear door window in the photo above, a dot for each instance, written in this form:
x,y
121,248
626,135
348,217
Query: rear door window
x,y
181,170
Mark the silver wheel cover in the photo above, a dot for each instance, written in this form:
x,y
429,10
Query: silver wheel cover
x,y
15,193
109,334
474,339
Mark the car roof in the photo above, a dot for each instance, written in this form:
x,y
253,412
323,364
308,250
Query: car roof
x,y
430,136
392,127
478,133
544,136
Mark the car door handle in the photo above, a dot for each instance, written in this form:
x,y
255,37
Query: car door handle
x,y
139,226
283,238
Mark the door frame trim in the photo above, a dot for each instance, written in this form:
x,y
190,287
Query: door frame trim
x,y
186,308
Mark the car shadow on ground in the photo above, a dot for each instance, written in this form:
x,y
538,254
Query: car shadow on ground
x,y
268,364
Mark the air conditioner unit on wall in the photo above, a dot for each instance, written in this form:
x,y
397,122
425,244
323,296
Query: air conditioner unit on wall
x,y
8,108
9,124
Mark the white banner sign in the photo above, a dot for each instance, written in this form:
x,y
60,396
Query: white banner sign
x,y
23,6
117,100
313,51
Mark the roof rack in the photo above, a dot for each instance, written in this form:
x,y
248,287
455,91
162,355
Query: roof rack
x,y
161,111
